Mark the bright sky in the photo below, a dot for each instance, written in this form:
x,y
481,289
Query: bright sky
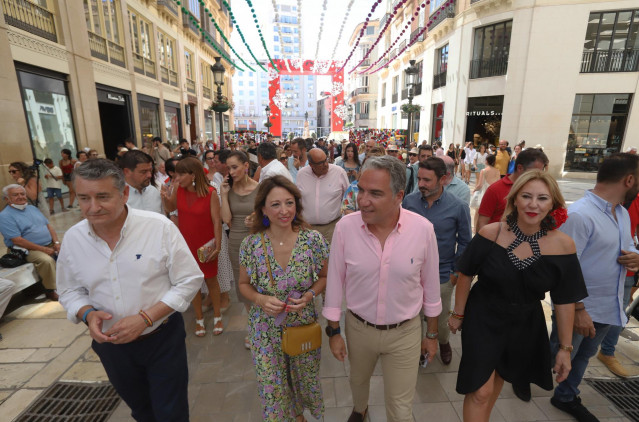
x,y
311,26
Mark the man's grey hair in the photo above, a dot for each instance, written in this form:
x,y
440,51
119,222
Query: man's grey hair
x,y
6,189
395,168
99,169
450,167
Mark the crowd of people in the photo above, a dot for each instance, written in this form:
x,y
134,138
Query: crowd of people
x,y
387,231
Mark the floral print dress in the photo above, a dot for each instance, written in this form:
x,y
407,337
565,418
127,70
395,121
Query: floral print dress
x,y
287,385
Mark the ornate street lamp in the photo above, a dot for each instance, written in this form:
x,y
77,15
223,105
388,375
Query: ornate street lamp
x,y
218,79
411,75
268,119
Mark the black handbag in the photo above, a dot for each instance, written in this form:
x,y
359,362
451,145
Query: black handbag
x,y
14,258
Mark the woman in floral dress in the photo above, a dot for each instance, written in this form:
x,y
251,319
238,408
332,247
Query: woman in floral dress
x,y
297,258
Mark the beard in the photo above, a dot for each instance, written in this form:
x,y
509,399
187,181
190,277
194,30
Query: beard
x,y
426,193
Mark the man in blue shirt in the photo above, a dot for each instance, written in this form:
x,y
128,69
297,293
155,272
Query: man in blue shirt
x,y
600,227
24,226
454,185
451,219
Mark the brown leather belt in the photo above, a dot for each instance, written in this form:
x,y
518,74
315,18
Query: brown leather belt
x,y
379,327
147,335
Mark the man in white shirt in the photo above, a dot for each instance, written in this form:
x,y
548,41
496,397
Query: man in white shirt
x,y
125,273
271,166
299,158
138,168
469,161
53,183
322,186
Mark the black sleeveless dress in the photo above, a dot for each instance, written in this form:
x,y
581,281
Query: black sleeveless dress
x,y
504,327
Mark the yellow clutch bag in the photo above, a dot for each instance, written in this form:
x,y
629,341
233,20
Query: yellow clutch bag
x,y
302,339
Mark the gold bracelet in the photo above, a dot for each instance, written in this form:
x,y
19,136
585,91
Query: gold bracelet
x,y
566,348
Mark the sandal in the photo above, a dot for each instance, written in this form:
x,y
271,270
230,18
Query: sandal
x,y
247,345
217,330
200,332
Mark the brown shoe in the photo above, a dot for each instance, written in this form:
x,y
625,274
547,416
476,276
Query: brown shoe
x,y
445,353
52,295
613,365
358,417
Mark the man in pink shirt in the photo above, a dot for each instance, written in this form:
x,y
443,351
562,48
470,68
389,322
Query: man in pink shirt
x,y
322,186
384,261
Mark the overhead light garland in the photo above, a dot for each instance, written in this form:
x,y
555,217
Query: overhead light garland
x,y
239,31
259,31
401,34
361,33
319,38
279,30
206,36
392,17
412,41
341,29
299,21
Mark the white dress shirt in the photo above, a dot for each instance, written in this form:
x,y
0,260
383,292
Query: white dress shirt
x,y
150,263
275,168
322,196
149,199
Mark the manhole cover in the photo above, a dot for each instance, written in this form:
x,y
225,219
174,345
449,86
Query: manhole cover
x,y
72,401
624,394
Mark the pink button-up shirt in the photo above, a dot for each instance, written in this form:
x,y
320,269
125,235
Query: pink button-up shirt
x,y
383,286
322,196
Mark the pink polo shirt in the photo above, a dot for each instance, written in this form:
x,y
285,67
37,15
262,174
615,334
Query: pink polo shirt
x,y
322,196
383,286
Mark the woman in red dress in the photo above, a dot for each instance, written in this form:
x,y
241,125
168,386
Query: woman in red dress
x,y
199,221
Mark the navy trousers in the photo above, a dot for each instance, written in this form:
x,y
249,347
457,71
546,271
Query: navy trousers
x,y
151,375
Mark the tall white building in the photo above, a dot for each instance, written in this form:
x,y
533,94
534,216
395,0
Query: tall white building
x,y
250,91
560,74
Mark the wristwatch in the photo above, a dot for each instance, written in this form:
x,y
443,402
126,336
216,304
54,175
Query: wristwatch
x,y
330,331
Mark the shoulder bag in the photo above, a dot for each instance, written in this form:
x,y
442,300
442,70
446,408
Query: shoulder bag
x,y
14,258
301,339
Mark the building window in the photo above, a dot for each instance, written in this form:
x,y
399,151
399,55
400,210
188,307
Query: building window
x,y
438,122
490,50
395,88
188,64
166,51
384,94
141,37
612,42
441,66
370,30
596,129
194,8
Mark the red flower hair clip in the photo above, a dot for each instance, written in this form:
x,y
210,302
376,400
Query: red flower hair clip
x,y
560,215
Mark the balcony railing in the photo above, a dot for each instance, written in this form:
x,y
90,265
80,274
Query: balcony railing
x,y
366,62
206,91
383,20
187,23
443,13
362,116
401,46
610,61
30,17
484,68
144,66
414,34
168,76
439,80
168,6
404,93
106,50
190,86
394,99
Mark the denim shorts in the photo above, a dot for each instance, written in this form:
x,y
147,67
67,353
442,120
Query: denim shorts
x,y
54,192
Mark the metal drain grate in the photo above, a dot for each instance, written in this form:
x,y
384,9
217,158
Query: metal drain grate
x,y
624,394
72,401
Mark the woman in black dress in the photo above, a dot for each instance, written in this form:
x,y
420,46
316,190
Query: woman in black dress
x,y
504,335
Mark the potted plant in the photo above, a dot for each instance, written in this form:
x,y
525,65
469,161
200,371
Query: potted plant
x,y
410,108
222,105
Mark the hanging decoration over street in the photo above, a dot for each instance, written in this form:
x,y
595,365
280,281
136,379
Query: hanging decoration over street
x,y
341,29
259,31
416,36
276,17
391,18
299,20
319,37
196,24
399,37
239,31
361,33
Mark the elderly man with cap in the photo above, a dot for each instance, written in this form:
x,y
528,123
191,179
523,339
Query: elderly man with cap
x,y
322,186
393,151
454,185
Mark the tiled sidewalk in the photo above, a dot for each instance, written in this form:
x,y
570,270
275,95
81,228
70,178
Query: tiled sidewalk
x,y
40,347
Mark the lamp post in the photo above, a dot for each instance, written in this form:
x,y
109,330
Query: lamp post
x,y
268,119
218,79
411,74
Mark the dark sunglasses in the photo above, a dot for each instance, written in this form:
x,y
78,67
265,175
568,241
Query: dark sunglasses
x,y
284,158
412,155
13,171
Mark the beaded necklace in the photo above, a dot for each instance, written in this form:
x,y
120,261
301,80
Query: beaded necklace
x,y
520,237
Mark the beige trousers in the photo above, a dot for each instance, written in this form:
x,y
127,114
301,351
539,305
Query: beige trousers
x,y
326,230
446,291
45,266
399,350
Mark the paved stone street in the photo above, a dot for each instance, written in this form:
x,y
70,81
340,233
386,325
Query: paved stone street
x,y
40,347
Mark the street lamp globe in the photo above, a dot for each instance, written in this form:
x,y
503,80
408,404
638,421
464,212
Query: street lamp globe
x,y
218,72
411,73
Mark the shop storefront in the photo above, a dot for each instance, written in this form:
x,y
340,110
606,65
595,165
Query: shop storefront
x,y
483,119
115,117
597,129
48,112
438,123
149,118
172,122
